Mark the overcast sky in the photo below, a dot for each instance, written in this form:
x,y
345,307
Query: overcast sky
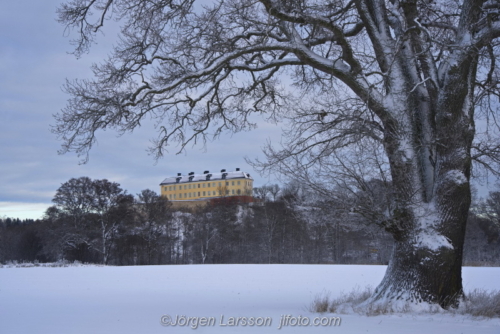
x,y
34,63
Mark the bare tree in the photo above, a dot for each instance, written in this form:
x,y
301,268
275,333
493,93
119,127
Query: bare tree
x,y
72,217
261,192
155,216
274,190
493,208
95,208
75,198
411,76
107,198
222,191
205,235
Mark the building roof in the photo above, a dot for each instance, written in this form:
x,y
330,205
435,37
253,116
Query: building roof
x,y
191,177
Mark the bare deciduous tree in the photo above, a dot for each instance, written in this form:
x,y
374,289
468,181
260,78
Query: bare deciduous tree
x,y
92,205
274,190
155,215
261,192
412,76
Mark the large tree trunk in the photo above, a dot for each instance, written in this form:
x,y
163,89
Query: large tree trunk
x,y
426,265
429,234
431,179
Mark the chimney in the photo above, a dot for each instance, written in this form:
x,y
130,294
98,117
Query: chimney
x,y
191,173
179,174
237,169
222,170
206,172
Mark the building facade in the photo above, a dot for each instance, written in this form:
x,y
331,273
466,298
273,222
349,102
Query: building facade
x,y
207,186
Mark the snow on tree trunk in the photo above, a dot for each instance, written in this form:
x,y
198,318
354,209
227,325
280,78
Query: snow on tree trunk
x,y
431,173
426,262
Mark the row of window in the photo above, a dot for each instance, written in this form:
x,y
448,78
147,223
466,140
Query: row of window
x,y
205,193
202,185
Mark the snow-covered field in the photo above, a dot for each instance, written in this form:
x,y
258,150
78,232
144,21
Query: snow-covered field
x,y
91,299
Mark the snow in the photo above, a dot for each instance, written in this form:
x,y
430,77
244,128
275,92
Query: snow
x,y
455,176
109,300
406,148
433,241
428,235
341,65
203,177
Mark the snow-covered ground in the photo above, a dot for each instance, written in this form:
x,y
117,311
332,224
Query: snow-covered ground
x,y
88,299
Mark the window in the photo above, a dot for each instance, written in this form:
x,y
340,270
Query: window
x,y
185,187
174,187
232,191
170,196
198,193
238,182
220,184
239,191
213,184
203,185
232,183
174,196
203,193
189,186
169,188
227,183
199,185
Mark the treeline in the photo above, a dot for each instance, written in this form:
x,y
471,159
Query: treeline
x,y
96,221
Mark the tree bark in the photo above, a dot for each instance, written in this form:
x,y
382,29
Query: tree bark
x,y
420,272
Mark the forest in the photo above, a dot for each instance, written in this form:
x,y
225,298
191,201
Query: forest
x,y
96,221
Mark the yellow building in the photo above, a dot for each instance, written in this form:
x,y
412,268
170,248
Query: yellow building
x,y
206,186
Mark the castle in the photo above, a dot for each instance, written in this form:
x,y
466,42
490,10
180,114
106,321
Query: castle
x,y
207,186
